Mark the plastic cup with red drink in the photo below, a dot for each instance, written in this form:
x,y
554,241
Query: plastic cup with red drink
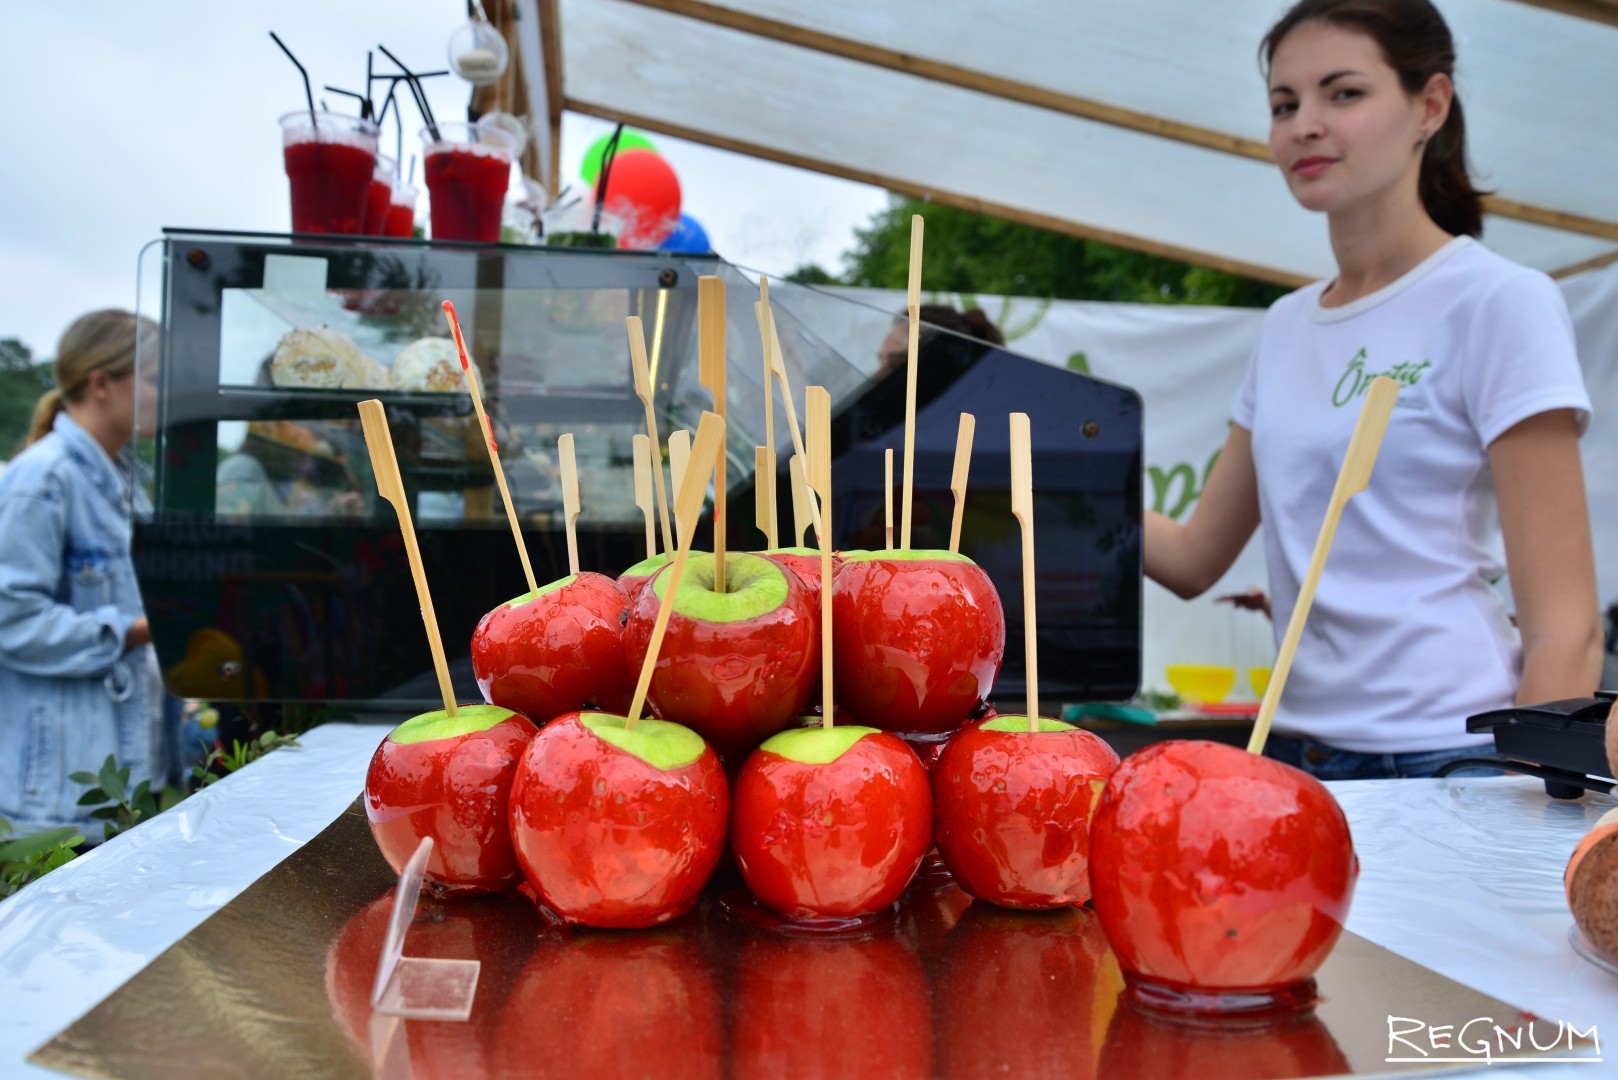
x,y
468,169
379,197
401,211
330,161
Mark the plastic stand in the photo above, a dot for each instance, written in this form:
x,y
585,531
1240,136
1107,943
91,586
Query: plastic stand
x,y
418,988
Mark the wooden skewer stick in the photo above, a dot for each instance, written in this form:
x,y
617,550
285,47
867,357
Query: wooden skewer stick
x,y
887,497
766,327
679,458
385,465
1022,508
764,495
711,373
957,479
802,501
689,492
913,309
778,364
644,499
494,450
570,499
1351,480
643,390
817,407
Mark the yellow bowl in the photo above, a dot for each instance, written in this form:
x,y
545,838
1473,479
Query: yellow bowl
x,y
1201,682
1259,679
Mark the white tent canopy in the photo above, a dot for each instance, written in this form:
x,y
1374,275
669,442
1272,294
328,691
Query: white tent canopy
x,y
1141,123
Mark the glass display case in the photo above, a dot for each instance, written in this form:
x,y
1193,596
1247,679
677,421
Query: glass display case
x,y
272,571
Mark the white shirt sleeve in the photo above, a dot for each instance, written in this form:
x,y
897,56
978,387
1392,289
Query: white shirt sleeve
x,y
1521,359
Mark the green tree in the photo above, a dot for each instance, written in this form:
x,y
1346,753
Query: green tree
x,y
972,253
22,380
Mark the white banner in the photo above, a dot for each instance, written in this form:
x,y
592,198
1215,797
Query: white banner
x,y
1187,362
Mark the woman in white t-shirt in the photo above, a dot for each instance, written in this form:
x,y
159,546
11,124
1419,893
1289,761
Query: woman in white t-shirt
x,y
1407,636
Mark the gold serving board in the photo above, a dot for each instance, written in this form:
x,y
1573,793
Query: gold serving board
x,y
277,983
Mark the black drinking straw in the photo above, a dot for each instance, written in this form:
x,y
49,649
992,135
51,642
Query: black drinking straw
x,y
415,88
308,93
607,157
370,110
365,104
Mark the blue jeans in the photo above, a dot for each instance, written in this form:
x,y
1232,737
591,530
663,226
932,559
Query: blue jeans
x,y
1329,763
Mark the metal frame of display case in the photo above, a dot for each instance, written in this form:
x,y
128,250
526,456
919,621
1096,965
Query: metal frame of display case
x,y
318,607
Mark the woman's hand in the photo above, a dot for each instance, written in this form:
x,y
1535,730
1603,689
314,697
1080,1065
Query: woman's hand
x,y
1188,557
1546,524
140,633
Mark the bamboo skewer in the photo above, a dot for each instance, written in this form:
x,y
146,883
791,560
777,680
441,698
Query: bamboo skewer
x,y
689,492
643,390
887,498
642,446
679,458
570,499
913,310
764,495
385,465
778,364
817,407
957,480
711,372
1022,507
802,501
1351,480
766,328
494,450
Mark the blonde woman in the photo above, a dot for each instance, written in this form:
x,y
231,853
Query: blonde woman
x,y
78,680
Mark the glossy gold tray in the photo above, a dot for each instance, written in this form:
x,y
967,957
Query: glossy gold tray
x,y
277,983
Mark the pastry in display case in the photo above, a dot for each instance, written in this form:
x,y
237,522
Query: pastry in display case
x,y
266,530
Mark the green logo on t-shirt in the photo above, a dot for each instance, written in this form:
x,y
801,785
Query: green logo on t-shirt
x,y
1356,380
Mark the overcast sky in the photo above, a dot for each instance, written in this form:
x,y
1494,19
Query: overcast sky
x,y
122,118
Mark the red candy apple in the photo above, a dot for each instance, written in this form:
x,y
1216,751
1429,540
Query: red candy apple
x,y
1012,809
835,1006
633,578
831,822
737,666
449,778
550,652
805,562
618,828
1222,878
920,635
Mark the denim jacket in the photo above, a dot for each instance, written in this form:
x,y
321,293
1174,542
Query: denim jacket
x,y
70,693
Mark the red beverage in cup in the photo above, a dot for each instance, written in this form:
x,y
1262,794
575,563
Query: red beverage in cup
x,y
330,160
401,219
379,198
468,169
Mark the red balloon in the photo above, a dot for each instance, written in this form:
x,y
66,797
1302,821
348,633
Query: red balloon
x,y
643,195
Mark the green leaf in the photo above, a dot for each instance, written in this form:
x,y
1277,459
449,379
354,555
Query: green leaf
x,y
105,813
113,779
93,797
29,846
82,777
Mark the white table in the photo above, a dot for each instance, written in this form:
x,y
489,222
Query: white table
x,y
1462,876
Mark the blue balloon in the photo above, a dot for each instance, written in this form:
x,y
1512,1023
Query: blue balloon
x,y
688,238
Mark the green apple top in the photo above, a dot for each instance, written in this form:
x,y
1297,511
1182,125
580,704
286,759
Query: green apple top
x,y
816,745
659,743
440,725
905,555
1019,724
559,583
754,586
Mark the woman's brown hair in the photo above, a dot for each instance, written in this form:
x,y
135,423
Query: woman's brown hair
x,y
1416,43
100,341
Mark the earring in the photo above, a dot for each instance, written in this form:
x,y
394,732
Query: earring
x,y
1421,142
